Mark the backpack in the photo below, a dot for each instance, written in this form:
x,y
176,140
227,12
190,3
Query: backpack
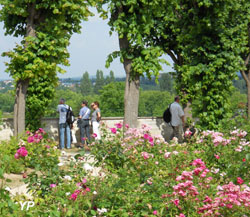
x,y
167,116
70,117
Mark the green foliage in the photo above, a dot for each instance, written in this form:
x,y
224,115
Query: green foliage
x,y
138,175
166,82
110,78
211,51
43,48
112,100
7,102
7,156
99,82
86,87
131,20
154,103
35,108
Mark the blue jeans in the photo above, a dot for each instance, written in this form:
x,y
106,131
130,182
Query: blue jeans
x,y
62,128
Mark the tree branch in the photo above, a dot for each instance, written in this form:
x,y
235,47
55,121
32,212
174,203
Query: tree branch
x,y
170,53
244,76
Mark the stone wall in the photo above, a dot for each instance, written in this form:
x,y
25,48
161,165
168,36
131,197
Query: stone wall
x,y
51,126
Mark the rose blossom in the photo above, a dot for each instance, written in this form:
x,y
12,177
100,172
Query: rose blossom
x,y
167,155
22,152
217,156
240,180
155,212
16,156
30,139
52,185
145,155
118,125
113,130
176,202
94,135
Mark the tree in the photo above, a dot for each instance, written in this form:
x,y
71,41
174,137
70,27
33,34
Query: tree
x,y
243,18
166,82
110,78
154,103
39,95
203,41
132,19
212,56
7,102
86,87
46,28
99,82
111,99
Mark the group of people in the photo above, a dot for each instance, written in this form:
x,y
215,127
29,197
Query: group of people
x,y
85,118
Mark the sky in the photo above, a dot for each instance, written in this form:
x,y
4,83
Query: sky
x,y
88,50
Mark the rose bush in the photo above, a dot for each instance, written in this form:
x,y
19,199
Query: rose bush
x,y
142,175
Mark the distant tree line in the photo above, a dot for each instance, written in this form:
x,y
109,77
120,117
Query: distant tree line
x,y
109,90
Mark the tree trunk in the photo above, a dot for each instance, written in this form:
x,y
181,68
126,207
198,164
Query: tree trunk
x,y
19,107
246,75
248,99
22,84
131,96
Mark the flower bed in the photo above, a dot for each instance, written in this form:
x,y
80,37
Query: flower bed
x,y
143,175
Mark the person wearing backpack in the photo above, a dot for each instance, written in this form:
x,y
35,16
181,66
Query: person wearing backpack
x,y
62,108
84,122
177,119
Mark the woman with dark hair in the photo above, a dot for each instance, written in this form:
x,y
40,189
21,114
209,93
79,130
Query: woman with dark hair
x,y
95,119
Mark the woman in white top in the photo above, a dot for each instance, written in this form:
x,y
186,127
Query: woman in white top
x,y
95,119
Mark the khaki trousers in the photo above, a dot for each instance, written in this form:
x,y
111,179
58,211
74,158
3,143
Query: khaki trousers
x,y
177,132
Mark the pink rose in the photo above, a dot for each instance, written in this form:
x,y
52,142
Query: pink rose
x,y
87,189
113,130
16,155
217,156
22,151
41,130
182,215
94,135
155,212
167,155
176,202
84,181
145,155
149,182
118,125
146,136
30,139
73,196
52,185
240,180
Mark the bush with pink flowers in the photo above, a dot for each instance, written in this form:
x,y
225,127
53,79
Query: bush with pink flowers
x,y
33,149
142,175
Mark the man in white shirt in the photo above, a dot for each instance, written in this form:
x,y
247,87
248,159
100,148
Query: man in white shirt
x,y
177,120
